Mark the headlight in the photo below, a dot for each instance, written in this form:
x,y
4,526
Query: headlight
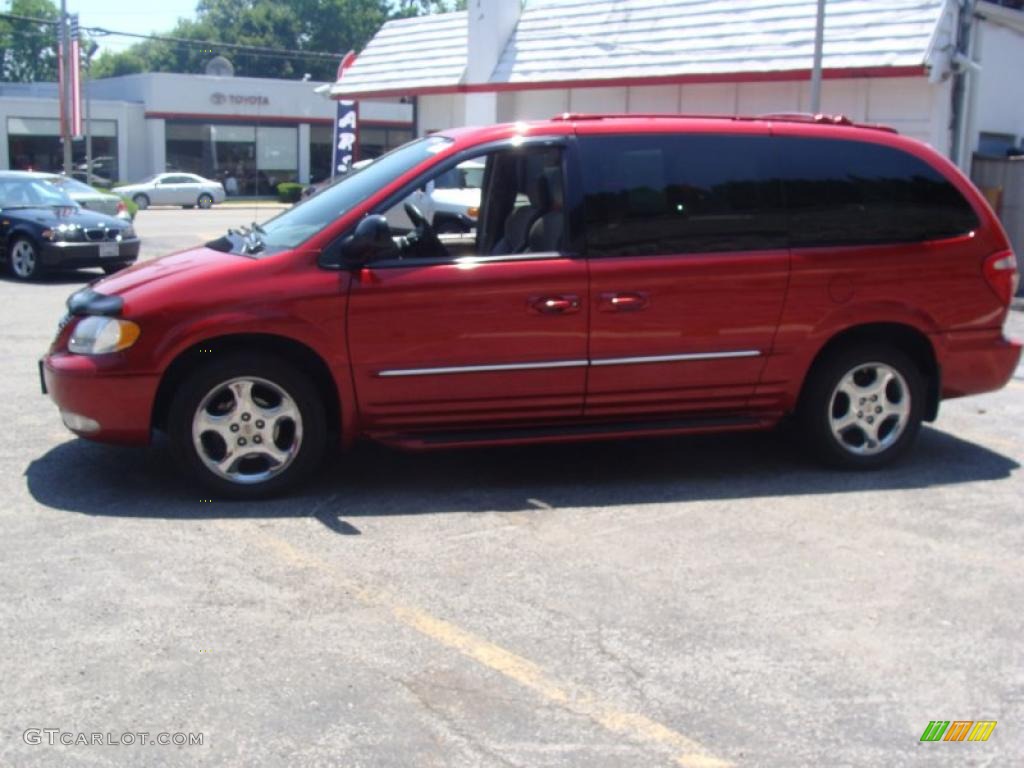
x,y
128,232
97,335
62,232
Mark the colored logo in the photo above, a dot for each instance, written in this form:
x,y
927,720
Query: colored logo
x,y
958,730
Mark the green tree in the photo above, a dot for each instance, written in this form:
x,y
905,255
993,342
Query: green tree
x,y
28,52
335,26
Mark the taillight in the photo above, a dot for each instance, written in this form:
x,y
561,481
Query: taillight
x,y
1000,272
120,206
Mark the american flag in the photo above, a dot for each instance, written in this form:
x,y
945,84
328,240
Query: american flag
x,y
70,78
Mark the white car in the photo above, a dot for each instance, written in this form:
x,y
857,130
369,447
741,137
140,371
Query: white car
x,y
185,189
451,202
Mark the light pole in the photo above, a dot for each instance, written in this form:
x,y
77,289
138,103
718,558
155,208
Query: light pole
x,y
819,44
65,85
90,51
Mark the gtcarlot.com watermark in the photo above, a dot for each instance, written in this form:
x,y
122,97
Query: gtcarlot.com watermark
x,y
55,736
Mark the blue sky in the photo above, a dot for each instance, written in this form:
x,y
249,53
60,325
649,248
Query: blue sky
x,y
141,16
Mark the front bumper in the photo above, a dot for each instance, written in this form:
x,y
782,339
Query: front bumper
x,y
88,254
94,389
976,361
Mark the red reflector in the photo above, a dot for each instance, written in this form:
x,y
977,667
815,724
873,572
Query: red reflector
x,y
1000,272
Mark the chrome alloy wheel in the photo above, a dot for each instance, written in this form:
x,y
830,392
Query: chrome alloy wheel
x,y
23,259
869,409
247,430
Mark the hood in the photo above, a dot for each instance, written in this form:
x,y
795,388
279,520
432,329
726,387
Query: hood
x,y
52,217
139,284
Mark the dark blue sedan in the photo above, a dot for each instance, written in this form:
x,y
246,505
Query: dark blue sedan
x,y
42,228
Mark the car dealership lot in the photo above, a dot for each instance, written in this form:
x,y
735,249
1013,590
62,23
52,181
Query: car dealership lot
x,y
688,601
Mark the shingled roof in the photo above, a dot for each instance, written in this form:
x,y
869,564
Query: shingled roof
x,y
591,41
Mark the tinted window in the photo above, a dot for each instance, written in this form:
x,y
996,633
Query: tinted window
x,y
854,193
684,193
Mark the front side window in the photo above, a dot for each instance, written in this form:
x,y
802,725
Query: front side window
x,y
855,193
302,221
516,193
650,194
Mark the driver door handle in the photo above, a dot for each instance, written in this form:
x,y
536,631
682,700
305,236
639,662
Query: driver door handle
x,y
555,305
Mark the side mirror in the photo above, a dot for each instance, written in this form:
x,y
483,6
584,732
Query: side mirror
x,y
371,240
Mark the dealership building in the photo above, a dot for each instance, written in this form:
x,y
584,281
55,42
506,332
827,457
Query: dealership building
x,y
259,131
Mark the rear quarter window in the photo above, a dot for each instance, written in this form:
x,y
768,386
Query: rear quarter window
x,y
841,192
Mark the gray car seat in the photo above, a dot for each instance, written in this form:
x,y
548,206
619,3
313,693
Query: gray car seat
x,y
518,223
546,232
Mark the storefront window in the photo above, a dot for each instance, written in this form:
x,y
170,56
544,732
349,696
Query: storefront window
x,y
320,152
246,159
34,143
374,142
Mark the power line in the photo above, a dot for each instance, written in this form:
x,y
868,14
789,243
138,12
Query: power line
x,y
185,43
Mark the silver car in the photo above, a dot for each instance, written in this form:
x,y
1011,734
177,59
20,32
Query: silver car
x,y
88,197
176,188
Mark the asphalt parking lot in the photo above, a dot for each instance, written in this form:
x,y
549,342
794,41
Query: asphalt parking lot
x,y
698,602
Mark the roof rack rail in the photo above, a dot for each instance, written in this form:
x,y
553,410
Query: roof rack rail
x,y
789,117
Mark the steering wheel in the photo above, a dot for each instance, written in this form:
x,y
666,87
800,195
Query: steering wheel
x,y
418,219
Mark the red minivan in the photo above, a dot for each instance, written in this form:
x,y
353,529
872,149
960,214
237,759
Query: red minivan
x,y
628,275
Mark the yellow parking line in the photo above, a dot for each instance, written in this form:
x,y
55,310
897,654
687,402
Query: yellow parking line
x,y
634,726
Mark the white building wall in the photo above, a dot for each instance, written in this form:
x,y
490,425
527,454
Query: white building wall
x,y
999,105
597,100
440,111
156,143
911,105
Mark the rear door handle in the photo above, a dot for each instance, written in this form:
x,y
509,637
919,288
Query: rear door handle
x,y
555,305
626,301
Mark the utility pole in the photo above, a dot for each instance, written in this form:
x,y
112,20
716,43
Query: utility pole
x,y
65,85
90,51
819,44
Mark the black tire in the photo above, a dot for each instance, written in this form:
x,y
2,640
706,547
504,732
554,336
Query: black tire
x,y
24,259
142,201
191,394
205,201
819,410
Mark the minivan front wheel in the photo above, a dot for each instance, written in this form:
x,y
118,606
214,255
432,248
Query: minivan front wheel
x,y
862,407
247,426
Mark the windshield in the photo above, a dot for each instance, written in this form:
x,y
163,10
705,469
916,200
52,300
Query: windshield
x,y
302,221
30,193
71,186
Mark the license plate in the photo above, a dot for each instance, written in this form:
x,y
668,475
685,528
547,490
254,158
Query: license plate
x,y
109,249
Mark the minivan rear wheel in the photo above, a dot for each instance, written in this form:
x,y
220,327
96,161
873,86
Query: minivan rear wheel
x,y
247,426
862,406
